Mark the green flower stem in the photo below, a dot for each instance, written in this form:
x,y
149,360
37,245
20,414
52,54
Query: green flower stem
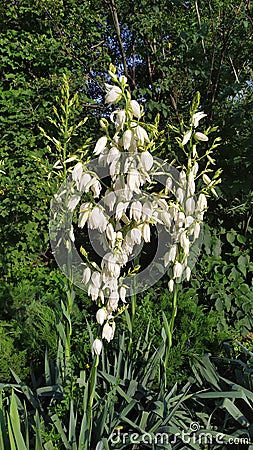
x,y
70,301
170,328
174,313
65,136
133,309
69,287
92,391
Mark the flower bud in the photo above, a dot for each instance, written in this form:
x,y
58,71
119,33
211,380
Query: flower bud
x,y
200,136
103,123
196,230
171,285
206,179
195,169
123,79
191,184
185,244
188,273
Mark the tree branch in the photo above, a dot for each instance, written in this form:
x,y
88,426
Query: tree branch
x,y
114,13
199,22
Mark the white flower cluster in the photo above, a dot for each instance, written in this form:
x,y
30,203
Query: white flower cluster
x,y
124,215
187,217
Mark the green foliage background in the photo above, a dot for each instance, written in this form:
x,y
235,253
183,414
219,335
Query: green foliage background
x,y
168,50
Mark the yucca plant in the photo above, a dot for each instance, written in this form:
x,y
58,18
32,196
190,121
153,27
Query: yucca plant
x,y
228,400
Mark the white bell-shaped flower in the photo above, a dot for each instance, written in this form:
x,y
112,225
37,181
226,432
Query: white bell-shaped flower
x,y
86,275
180,195
147,210
100,145
93,292
111,234
96,188
126,139
108,332
97,220
122,294
101,316
77,172
133,180
177,270
145,231
189,206
109,199
97,346
197,117
113,155
85,182
84,213
166,218
96,279
120,119
121,209
141,134
113,94
135,107
73,202
201,203
133,237
186,137
136,210
146,161
113,301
